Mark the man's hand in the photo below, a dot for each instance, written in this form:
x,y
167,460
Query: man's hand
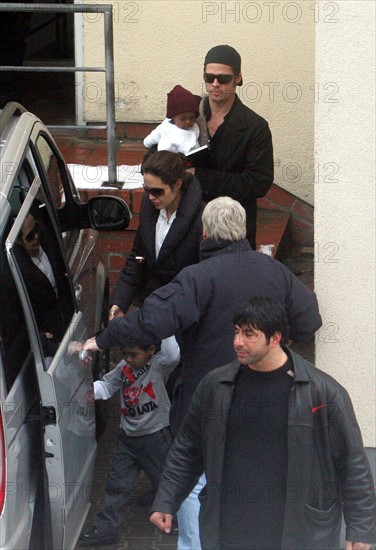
x,y
358,545
115,312
91,345
162,521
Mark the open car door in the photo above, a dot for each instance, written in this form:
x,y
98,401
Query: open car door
x,y
65,382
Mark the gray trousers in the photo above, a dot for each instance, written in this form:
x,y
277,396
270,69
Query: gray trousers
x,y
132,454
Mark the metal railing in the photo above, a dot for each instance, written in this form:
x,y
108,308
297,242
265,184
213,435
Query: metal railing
x,y
108,68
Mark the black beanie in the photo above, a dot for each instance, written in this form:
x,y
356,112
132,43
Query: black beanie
x,y
225,55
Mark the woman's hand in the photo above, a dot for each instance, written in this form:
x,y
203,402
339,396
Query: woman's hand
x,y
115,311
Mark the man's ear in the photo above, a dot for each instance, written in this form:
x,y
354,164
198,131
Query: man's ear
x,y
276,339
204,233
238,78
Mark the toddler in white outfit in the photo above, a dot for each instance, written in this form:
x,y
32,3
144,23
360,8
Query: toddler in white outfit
x,y
178,132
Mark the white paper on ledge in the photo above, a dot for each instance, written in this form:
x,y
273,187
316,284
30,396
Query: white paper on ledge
x,y
92,177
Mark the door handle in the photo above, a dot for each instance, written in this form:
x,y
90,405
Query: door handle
x,y
78,292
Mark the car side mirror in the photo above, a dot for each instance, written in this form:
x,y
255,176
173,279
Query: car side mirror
x,y
108,213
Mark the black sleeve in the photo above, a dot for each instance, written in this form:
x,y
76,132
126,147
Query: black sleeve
x,y
301,307
184,463
354,472
133,277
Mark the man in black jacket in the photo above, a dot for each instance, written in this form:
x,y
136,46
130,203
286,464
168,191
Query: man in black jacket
x,y
45,278
241,151
198,305
280,446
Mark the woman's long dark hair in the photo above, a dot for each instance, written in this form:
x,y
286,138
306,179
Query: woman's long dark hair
x,y
167,166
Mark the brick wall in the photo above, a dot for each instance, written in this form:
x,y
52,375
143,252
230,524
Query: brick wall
x,y
114,246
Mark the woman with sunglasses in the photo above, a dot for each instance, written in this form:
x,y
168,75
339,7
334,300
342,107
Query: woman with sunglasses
x,y
169,234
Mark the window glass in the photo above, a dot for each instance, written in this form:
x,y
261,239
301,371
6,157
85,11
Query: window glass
x,y
55,181
52,169
15,346
37,254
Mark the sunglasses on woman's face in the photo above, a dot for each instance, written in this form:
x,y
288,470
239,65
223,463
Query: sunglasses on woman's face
x,y
221,78
155,191
32,234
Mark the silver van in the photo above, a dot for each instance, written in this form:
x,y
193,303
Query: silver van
x,y
47,309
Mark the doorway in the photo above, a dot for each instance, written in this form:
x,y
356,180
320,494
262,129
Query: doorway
x,y
40,40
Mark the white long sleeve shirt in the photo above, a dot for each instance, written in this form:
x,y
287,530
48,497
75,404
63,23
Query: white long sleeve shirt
x,y
169,137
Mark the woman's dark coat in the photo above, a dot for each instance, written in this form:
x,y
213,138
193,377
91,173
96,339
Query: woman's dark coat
x,y
143,272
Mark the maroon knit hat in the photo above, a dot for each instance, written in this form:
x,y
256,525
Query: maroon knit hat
x,y
180,100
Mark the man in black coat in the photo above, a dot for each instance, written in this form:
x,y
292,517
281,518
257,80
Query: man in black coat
x,y
241,152
280,446
45,278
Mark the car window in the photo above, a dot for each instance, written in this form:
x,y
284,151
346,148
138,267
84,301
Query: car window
x,y
15,345
35,250
51,165
54,173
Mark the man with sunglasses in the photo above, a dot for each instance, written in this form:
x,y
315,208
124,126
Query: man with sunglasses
x,y
241,151
46,282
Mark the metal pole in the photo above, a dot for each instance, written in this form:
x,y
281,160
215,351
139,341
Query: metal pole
x,y
106,9
110,96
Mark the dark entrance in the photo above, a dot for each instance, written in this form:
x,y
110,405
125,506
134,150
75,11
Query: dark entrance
x,y
39,39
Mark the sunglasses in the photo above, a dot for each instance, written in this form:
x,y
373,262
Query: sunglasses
x,y
155,191
32,234
221,78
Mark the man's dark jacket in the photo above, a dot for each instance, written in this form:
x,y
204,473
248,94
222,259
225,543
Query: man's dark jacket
x,y
180,248
328,473
243,166
198,307
52,310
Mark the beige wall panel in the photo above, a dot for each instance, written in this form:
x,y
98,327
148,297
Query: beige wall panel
x,y
159,44
345,207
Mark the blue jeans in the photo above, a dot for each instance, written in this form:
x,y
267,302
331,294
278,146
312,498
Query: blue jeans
x,y
189,535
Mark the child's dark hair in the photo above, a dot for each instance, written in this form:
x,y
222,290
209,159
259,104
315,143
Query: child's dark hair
x,y
265,314
138,344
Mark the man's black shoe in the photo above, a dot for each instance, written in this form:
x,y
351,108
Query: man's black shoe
x,y
98,537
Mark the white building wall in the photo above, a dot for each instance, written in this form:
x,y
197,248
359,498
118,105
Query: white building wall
x,y
345,206
159,44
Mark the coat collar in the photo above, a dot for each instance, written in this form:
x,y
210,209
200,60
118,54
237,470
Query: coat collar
x,y
228,373
211,247
189,207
